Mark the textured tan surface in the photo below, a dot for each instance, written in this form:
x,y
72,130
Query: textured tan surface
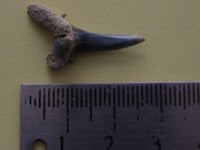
x,y
171,51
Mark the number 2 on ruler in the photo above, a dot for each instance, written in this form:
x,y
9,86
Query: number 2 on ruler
x,y
109,138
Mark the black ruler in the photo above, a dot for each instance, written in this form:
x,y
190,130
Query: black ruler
x,y
135,116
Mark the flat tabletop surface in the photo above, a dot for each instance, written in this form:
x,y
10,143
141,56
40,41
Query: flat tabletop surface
x,y
171,51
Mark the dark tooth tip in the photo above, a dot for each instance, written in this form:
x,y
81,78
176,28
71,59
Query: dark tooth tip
x,y
138,39
141,39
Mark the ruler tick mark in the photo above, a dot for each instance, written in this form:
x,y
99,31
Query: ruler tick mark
x,y
165,95
151,90
156,95
175,103
180,95
71,97
147,94
114,104
35,104
91,105
100,96
39,99
128,95
142,95
188,91
193,93
114,109
53,97
67,109
137,97
44,104
30,100
123,96
187,95
81,97
61,143
184,98
118,96
95,97
161,98
49,98
67,103
170,96
58,98
62,96
133,94
86,98
109,96
77,97
198,95
105,96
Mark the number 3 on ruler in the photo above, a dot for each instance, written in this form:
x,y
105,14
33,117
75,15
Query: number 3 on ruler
x,y
110,138
157,142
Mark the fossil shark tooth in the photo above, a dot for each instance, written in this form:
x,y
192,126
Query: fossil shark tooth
x,y
68,38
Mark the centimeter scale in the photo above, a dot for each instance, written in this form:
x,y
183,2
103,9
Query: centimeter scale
x,y
129,116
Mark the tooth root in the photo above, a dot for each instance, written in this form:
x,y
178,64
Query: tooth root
x,y
55,61
94,41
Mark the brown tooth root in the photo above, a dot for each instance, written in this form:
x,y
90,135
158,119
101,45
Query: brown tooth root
x,y
64,37
68,38
47,18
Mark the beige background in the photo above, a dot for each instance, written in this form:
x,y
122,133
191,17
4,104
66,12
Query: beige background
x,y
171,51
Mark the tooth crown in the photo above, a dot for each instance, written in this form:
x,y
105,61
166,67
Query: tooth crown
x,y
69,38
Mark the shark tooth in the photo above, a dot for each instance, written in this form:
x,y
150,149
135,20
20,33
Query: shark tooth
x,y
68,38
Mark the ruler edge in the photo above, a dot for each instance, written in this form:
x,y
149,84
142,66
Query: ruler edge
x,y
104,83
